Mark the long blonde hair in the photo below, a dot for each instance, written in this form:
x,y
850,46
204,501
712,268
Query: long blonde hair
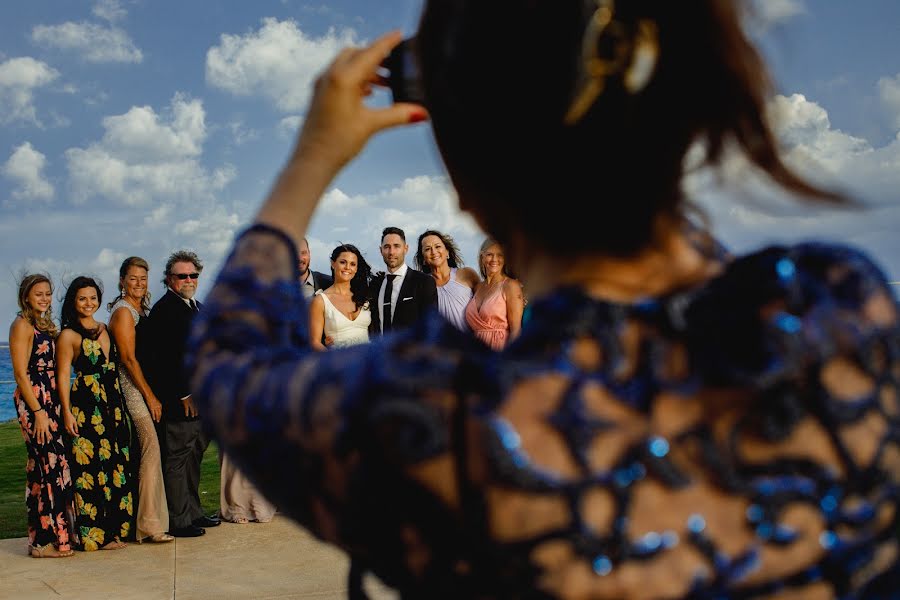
x,y
41,322
132,261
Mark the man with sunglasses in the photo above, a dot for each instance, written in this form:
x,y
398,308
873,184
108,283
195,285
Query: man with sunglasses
x,y
181,436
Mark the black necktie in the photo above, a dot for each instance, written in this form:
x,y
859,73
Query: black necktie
x,y
386,305
193,305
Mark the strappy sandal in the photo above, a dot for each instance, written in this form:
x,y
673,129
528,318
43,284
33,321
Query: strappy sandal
x,y
159,538
240,520
48,551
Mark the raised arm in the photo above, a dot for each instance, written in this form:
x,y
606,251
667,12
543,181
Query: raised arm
x,y
263,392
121,324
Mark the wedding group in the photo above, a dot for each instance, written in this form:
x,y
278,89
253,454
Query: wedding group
x,y
113,437
353,303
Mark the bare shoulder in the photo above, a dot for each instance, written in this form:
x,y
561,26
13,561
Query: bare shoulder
x,y
512,287
68,336
468,276
120,317
20,325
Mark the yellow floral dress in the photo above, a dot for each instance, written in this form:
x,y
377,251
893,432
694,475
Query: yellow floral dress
x,y
101,453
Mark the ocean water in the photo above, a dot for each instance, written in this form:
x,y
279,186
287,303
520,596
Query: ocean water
x,y
7,385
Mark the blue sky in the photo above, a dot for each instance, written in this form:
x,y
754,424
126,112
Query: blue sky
x,y
139,127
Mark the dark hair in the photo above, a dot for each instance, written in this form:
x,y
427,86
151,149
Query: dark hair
x,y
526,175
390,230
42,322
182,256
132,261
454,258
69,316
359,285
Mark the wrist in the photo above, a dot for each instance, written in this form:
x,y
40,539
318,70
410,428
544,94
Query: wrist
x,y
38,409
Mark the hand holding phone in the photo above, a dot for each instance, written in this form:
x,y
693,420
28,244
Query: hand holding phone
x,y
403,76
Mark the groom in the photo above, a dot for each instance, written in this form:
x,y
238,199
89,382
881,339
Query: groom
x,y
402,295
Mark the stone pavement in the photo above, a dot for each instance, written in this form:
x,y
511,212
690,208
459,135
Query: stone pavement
x,y
256,560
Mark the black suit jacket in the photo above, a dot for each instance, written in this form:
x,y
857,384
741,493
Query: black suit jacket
x,y
321,281
418,295
167,332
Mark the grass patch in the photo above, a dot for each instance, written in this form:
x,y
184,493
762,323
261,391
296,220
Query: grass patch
x,y
12,481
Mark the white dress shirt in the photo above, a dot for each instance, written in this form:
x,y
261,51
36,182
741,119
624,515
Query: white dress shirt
x,y
395,293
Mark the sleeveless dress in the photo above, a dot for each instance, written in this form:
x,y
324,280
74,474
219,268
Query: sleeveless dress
x,y
104,481
488,322
344,331
49,498
453,297
152,510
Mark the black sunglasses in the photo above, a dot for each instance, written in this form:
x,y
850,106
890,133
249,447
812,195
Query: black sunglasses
x,y
183,276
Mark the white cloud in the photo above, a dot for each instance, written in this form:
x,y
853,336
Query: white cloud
x,y
770,13
109,10
19,77
288,126
278,61
144,156
889,91
240,134
95,43
26,168
748,210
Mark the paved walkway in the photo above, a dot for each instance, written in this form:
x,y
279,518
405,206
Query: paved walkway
x,y
257,560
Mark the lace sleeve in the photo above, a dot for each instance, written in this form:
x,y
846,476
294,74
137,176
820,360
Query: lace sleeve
x,y
304,425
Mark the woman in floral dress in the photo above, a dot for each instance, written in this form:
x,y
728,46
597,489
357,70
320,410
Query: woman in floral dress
x,y
96,417
48,487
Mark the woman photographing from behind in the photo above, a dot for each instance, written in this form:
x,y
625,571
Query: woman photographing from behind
x,y
666,425
127,314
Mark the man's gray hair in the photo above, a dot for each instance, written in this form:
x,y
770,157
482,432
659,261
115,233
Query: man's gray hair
x,y
182,256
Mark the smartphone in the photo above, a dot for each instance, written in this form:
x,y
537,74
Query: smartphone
x,y
403,75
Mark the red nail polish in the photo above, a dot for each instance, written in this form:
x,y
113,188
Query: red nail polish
x,y
418,116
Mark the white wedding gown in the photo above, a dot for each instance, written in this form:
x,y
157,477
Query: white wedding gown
x,y
342,330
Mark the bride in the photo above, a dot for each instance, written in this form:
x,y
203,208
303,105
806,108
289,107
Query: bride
x,y
341,312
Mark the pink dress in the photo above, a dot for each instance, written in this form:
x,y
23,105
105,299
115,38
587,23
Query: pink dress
x,y
489,323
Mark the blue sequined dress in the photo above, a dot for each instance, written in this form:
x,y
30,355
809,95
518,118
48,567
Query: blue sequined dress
x,y
736,440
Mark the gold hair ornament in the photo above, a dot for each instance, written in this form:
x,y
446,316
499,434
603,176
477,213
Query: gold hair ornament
x,y
636,54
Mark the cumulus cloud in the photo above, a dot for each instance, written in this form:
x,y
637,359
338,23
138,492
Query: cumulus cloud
x,y
278,61
109,10
19,77
91,41
26,168
414,205
747,210
145,156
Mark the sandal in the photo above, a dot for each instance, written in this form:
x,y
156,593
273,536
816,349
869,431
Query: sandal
x,y
157,538
48,551
240,520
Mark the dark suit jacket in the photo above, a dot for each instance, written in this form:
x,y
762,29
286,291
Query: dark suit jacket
x,y
418,295
321,281
168,329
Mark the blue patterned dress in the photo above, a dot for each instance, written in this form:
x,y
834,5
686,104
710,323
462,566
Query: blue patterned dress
x,y
734,440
